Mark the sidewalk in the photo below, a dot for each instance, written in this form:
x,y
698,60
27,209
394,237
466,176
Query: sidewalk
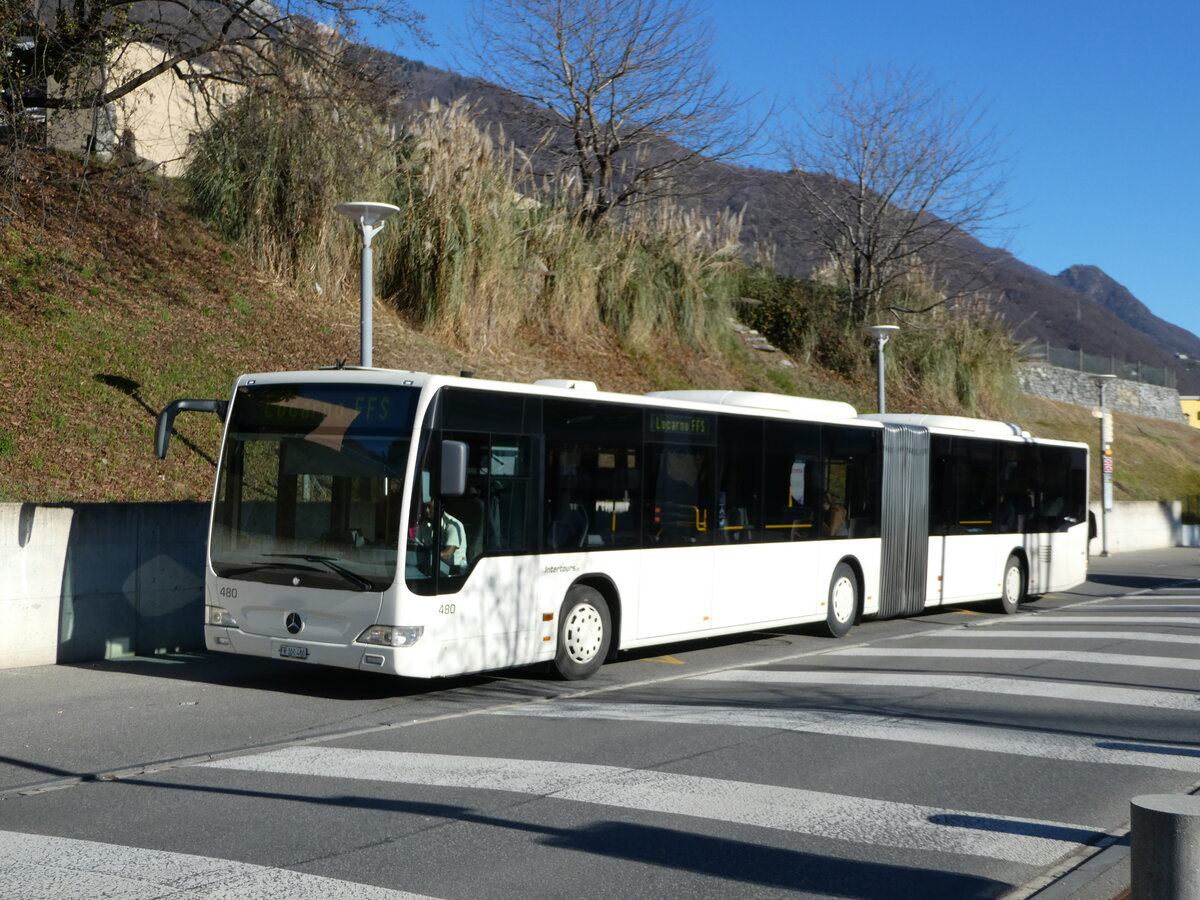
x,y
1105,875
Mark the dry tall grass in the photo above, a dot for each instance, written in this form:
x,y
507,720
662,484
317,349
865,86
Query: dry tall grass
x,y
481,249
485,249
272,167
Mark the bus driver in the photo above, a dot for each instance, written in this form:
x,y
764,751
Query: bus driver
x,y
454,538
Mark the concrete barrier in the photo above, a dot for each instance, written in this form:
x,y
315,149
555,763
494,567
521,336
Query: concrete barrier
x,y
1144,525
1164,860
98,581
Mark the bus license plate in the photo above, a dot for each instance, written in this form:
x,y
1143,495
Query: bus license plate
x,y
294,652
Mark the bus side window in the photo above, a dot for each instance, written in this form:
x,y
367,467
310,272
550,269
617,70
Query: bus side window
x,y
593,476
834,500
972,486
792,491
679,495
1062,502
850,496
494,509
739,479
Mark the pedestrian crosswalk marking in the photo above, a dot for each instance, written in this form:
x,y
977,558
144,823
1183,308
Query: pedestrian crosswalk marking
x,y
35,866
1146,607
862,820
990,739
1152,596
1154,637
987,684
1075,656
1072,619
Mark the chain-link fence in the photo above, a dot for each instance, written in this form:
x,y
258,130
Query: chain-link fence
x,y
1099,365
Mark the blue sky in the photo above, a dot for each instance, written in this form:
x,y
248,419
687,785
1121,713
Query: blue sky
x,y
1096,102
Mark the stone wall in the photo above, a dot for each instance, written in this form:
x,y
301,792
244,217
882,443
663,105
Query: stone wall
x,y
1070,386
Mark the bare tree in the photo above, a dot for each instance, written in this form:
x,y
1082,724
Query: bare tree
x,y
67,46
631,100
892,174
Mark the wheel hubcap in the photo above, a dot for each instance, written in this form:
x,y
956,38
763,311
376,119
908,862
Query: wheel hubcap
x,y
842,600
584,633
1012,585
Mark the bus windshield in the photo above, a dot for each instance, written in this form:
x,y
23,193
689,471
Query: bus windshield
x,y
310,485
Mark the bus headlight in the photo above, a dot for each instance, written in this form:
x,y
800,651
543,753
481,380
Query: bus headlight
x,y
392,635
219,615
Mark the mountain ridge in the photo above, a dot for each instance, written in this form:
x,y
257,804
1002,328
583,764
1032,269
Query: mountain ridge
x,y
1086,310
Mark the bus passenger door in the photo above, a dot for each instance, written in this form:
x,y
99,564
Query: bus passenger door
x,y
677,537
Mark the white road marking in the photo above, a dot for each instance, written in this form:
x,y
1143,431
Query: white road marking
x,y
1152,595
861,820
1022,634
1147,607
990,739
1075,656
1064,619
986,684
34,866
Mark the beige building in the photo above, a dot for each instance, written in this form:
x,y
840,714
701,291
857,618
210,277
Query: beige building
x,y
154,124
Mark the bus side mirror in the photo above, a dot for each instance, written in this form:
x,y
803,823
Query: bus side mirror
x,y
454,469
1093,531
166,418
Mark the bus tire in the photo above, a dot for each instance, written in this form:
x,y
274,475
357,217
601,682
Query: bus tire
x,y
842,605
1012,585
584,634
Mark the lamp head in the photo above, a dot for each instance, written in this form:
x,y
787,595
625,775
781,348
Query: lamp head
x,y
367,213
880,332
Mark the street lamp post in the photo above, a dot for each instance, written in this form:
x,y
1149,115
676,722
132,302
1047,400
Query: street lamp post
x,y
369,218
1106,461
881,333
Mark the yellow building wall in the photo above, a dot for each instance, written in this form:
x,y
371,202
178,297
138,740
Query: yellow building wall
x,y
1191,409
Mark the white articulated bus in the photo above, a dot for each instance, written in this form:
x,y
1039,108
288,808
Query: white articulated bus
x,y
426,525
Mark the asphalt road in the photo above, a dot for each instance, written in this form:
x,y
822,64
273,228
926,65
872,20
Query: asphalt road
x,y
957,754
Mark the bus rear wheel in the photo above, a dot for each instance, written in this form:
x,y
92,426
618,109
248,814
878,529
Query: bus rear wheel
x,y
1012,585
584,634
842,605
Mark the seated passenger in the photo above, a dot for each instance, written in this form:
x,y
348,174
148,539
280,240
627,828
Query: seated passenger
x,y
833,516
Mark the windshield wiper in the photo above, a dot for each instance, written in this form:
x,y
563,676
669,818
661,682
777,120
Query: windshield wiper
x,y
358,581
257,567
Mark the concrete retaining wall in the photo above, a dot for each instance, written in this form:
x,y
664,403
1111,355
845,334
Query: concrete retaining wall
x,y
97,581
1144,525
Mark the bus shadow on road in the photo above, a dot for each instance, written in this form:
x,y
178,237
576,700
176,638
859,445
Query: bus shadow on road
x,y
269,675
1140,582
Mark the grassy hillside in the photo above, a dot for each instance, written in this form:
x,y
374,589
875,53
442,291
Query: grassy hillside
x,y
114,301
1153,459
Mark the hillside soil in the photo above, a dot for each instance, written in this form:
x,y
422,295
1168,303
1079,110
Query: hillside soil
x,y
114,301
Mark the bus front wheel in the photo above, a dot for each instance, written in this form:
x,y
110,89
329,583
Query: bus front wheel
x,y
843,601
1013,586
584,634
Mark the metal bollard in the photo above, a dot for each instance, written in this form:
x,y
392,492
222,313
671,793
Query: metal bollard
x,y
1164,862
